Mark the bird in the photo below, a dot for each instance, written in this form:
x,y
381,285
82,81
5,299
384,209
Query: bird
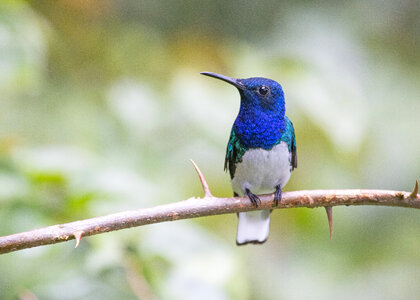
x,y
261,151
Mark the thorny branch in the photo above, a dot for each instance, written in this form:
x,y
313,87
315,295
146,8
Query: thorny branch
x,y
206,206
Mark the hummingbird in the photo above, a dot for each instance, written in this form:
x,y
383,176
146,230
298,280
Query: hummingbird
x,y
261,151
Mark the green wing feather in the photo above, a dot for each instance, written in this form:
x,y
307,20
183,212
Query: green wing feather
x,y
290,138
234,153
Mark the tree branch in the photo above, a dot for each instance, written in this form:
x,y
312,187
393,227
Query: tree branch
x,y
200,207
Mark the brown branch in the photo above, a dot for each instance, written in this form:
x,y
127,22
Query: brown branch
x,y
200,207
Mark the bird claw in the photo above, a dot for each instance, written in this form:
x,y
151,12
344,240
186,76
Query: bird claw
x,y
255,200
277,195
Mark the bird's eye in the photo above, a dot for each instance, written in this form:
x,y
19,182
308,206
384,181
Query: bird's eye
x,y
263,90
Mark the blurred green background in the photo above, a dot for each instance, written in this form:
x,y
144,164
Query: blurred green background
x,y
102,105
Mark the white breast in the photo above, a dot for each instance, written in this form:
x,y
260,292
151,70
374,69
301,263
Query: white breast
x,y
262,170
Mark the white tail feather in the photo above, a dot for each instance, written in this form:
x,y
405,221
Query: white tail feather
x,y
253,227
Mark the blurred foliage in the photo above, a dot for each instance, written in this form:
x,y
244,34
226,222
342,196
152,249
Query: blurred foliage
x,y
101,106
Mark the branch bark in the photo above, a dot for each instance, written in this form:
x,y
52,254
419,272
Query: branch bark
x,y
200,207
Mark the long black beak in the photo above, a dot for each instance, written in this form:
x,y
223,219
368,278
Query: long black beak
x,y
232,81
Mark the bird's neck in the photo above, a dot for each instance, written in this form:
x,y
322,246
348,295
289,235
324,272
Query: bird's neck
x,y
259,128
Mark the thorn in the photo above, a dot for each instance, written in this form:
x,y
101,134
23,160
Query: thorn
x,y
330,220
415,191
203,181
78,236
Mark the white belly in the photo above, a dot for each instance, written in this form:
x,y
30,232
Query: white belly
x,y
262,170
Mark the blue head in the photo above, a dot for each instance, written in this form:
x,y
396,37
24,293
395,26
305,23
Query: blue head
x,y
260,121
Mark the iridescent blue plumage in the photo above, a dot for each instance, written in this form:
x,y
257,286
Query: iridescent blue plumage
x,y
260,121
261,151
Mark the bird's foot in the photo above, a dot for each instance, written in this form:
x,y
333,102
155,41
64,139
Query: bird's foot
x,y
254,198
277,195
